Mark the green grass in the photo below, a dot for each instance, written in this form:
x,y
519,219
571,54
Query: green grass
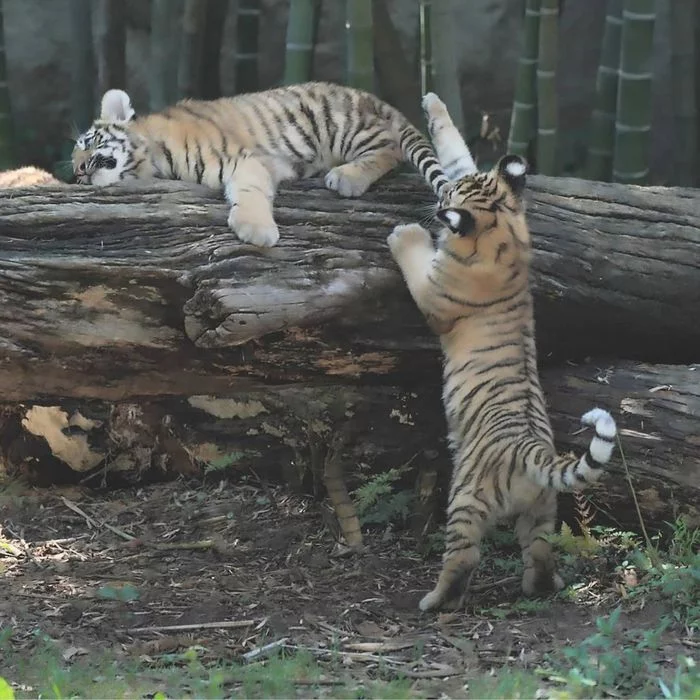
x,y
45,673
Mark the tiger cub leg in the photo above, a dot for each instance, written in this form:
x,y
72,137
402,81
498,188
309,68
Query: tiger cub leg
x,y
250,190
539,575
353,179
464,530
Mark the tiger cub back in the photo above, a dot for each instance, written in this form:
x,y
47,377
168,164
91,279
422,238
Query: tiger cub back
x,y
474,292
27,176
246,145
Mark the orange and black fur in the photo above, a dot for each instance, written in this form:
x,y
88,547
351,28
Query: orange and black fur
x,y
248,144
27,176
474,292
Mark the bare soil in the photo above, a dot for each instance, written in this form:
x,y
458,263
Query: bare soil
x,y
198,554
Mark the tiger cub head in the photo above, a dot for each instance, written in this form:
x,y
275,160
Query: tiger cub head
x,y
109,151
484,215
483,212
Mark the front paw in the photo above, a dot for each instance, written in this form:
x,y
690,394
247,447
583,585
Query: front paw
x,y
260,231
407,236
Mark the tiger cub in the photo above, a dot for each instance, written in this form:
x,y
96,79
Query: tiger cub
x,y
27,176
248,144
474,292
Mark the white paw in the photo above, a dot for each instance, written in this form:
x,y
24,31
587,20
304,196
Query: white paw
x,y
407,235
338,180
431,103
430,600
261,234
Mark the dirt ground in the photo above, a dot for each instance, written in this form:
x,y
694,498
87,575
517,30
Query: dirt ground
x,y
247,565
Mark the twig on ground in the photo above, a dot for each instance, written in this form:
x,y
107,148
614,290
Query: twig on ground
x,y
265,650
91,522
223,625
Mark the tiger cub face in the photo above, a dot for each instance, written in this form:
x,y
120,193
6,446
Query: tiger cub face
x,y
485,229
109,151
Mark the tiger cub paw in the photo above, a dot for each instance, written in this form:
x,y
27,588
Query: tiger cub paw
x,y
432,105
347,180
257,229
407,236
541,582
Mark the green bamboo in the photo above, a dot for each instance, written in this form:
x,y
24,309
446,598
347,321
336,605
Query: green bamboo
x,y
82,64
602,142
111,45
426,52
444,59
633,123
301,30
684,57
247,47
360,44
209,84
547,87
161,67
191,47
523,118
6,126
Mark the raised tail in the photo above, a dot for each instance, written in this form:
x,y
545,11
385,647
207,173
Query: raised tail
x,y
417,150
567,472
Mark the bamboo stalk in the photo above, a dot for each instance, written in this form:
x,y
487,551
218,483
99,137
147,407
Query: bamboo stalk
x,y
633,123
301,31
6,125
159,68
247,54
426,49
444,59
210,68
602,142
360,44
191,47
111,45
685,54
523,119
82,64
547,107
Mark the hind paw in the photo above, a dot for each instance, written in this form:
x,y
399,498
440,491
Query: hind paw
x,y
541,582
346,181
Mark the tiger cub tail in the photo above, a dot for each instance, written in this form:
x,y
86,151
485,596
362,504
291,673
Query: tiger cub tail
x,y
568,472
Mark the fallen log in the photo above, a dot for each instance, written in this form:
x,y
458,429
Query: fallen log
x,y
290,431
142,290
119,306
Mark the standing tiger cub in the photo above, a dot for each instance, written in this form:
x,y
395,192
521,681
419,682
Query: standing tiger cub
x,y
474,292
248,144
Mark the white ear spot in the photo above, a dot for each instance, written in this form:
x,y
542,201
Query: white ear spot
x,y
454,219
515,168
116,107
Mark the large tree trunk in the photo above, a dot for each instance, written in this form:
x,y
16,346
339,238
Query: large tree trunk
x,y
140,295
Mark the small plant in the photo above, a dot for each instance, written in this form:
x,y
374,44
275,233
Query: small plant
x,y
377,502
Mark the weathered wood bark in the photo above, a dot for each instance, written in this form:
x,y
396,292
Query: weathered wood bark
x,y
143,290
287,431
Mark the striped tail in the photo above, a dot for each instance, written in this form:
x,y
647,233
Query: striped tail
x,y
418,151
569,473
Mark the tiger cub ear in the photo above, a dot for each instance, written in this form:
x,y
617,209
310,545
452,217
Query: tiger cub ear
x,y
116,107
513,169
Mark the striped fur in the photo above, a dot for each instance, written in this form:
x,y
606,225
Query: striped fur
x,y
27,176
474,292
248,144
